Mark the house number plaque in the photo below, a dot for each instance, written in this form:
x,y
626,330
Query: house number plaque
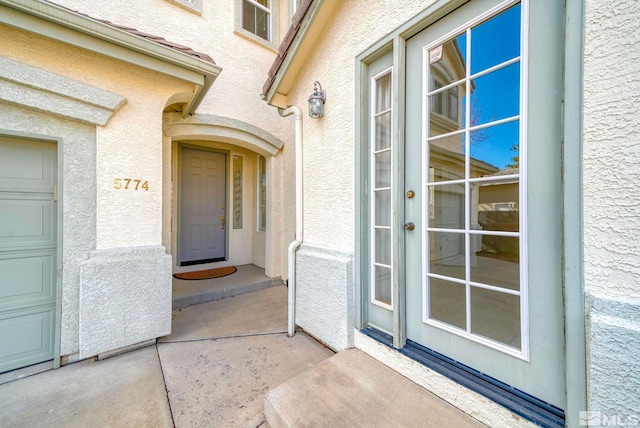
x,y
130,184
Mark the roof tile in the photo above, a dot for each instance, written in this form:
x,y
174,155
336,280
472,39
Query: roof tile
x,y
156,39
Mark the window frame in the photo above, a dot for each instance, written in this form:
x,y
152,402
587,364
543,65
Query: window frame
x,y
373,115
468,232
261,194
394,42
237,195
273,30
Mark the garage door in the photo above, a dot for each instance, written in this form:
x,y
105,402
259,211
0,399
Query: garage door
x,y
27,252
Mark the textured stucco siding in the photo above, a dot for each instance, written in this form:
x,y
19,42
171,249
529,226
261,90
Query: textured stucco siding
x,y
124,148
94,213
329,143
325,295
612,204
234,94
612,148
125,298
326,302
614,346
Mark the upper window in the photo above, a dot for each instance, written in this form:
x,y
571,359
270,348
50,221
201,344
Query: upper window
x,y
256,17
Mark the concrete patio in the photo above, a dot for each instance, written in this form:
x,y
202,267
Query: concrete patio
x,y
215,370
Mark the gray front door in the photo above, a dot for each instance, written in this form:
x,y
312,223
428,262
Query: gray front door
x,y
202,206
28,250
483,264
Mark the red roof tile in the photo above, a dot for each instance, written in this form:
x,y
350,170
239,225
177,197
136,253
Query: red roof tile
x,y
150,37
286,43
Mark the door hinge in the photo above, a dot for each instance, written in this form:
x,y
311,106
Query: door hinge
x,y
55,193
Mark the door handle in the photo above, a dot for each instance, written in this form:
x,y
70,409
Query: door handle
x,y
222,221
409,226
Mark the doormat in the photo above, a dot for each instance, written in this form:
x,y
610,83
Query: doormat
x,y
206,274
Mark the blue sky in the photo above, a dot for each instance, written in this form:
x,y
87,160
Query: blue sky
x,y
496,95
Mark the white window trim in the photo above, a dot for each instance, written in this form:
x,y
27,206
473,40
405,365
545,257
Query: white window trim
x,y
523,353
194,6
233,194
258,190
372,181
274,20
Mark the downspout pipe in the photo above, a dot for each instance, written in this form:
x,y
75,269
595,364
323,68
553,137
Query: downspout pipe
x,y
293,247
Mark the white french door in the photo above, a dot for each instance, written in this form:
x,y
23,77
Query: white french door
x,y
483,281
477,181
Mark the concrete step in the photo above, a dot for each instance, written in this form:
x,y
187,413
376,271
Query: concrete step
x,y
351,389
246,279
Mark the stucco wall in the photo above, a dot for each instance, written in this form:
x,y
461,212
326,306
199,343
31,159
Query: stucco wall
x,y
96,215
324,306
124,148
329,150
326,300
612,204
235,94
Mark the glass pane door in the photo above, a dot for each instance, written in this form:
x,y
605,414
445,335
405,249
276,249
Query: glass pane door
x,y
472,130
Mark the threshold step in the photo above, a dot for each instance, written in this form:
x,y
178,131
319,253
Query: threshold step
x,y
246,279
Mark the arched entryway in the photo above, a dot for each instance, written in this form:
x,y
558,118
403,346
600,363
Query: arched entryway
x,y
220,169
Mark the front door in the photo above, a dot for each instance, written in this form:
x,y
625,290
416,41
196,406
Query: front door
x,y
483,263
202,206
28,252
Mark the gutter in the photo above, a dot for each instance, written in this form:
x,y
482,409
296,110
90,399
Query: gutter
x,y
113,41
293,247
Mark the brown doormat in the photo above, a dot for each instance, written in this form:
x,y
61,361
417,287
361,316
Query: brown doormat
x,y
206,274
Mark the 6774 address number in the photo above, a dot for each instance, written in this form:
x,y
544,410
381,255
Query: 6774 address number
x,y
130,184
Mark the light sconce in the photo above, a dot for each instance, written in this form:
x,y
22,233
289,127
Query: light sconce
x,y
316,101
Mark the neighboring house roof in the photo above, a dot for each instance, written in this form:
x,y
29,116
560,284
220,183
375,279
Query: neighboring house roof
x,y
151,37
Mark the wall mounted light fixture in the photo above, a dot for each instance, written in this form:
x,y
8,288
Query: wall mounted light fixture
x,y
316,101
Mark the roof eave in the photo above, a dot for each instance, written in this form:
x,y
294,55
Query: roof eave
x,y
110,41
294,50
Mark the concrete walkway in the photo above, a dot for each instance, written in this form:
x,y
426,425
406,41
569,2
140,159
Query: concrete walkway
x,y
228,363
213,371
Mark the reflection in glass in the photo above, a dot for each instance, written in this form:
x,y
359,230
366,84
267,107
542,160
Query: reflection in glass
x,y
445,165
498,205
447,302
503,84
446,107
383,131
466,155
447,62
446,206
446,254
383,246
496,40
495,149
498,261
383,285
383,169
383,207
496,316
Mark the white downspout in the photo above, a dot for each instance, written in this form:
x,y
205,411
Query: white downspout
x,y
293,247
